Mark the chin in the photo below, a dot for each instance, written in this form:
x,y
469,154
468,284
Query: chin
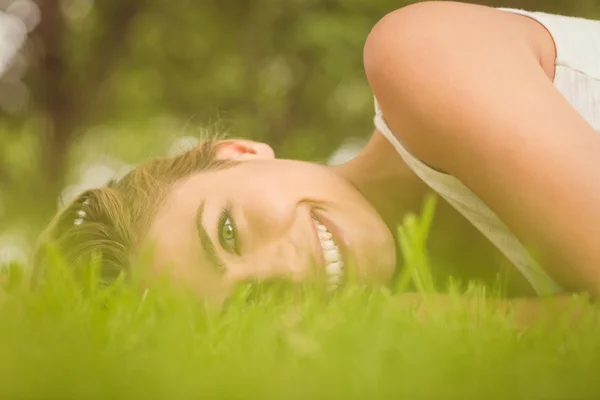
x,y
378,271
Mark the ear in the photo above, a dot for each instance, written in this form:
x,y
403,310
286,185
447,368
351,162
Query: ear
x,y
239,149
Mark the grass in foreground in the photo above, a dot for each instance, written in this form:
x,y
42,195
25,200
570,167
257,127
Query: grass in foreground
x,y
117,342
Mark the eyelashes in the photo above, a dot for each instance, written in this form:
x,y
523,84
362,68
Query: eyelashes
x,y
228,232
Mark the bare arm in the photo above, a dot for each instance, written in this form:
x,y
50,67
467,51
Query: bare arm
x,y
465,91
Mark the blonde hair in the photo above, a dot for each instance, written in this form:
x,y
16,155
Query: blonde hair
x,y
111,221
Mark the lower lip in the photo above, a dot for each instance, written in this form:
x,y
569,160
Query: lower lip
x,y
338,236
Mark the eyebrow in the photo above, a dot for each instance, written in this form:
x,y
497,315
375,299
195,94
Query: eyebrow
x,y
207,244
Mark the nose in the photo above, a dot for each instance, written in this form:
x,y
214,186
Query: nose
x,y
270,218
277,248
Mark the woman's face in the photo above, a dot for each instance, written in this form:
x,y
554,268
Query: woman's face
x,y
267,218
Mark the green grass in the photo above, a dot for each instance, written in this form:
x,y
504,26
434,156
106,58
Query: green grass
x,y
62,342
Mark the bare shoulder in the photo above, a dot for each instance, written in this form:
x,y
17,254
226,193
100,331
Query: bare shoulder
x,y
422,56
454,18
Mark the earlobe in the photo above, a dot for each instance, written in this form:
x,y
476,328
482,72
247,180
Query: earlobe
x,y
243,150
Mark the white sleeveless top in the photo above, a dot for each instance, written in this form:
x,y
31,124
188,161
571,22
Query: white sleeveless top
x,y
577,77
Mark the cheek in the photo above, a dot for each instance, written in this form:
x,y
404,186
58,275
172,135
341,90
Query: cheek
x,y
194,276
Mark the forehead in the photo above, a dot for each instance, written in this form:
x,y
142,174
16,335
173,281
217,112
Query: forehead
x,y
217,183
175,246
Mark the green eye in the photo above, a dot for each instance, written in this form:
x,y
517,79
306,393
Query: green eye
x,y
228,232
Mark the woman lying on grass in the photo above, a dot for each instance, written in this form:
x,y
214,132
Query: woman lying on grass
x,y
495,110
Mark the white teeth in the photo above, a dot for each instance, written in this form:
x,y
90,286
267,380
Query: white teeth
x,y
324,235
334,268
332,255
328,244
333,282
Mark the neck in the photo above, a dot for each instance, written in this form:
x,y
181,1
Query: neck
x,y
383,178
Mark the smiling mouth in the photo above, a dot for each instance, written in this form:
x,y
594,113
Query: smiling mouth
x,y
334,264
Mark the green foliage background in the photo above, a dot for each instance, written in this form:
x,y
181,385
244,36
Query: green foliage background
x,y
113,79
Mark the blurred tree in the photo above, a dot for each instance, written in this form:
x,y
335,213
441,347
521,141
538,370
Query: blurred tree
x,y
125,76
66,79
